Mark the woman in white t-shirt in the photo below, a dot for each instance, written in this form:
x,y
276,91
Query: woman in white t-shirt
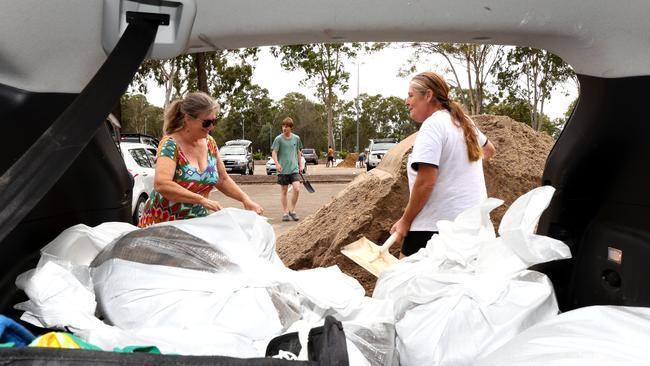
x,y
445,170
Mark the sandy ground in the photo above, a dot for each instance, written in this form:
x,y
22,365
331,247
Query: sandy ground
x,y
268,195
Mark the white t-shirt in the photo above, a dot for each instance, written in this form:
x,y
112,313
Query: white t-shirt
x,y
460,183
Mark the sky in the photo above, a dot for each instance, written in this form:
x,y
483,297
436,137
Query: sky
x,y
377,74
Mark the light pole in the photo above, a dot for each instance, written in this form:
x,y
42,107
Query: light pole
x,y
356,104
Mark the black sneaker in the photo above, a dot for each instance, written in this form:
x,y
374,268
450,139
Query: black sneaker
x,y
294,216
286,217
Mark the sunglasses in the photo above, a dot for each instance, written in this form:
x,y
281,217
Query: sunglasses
x,y
207,122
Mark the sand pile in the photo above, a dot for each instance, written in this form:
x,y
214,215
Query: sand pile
x,y
518,166
372,202
350,161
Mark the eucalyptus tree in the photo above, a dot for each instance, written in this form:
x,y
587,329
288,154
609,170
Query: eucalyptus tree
x,y
476,61
532,74
324,65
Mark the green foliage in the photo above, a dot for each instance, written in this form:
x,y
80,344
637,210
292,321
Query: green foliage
x,y
323,64
249,112
138,116
531,75
309,119
477,63
225,72
259,155
343,154
512,107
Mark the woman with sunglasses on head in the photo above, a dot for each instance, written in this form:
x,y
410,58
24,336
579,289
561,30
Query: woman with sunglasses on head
x,y
445,170
188,165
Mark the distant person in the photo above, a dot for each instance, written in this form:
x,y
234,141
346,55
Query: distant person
x,y
287,154
330,157
188,165
445,169
360,161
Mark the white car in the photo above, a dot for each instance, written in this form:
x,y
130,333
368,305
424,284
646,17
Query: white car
x,y
270,166
139,160
378,148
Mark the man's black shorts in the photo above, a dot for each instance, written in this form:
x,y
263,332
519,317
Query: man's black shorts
x,y
287,179
415,240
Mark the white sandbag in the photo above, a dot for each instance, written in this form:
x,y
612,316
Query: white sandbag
x,y
217,288
468,291
591,336
80,244
57,299
233,231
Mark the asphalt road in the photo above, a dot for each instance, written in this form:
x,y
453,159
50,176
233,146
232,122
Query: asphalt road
x,y
268,195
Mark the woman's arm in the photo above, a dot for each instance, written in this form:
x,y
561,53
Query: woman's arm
x,y
422,188
228,187
489,150
164,183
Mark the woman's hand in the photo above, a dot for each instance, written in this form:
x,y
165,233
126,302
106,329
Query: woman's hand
x,y
401,227
251,205
211,204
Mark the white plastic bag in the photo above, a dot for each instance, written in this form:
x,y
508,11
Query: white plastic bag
x,y
212,285
468,291
591,336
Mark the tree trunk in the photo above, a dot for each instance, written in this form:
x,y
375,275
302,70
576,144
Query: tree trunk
x,y
330,117
201,73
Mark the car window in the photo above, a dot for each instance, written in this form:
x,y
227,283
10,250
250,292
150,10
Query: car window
x,y
382,145
233,150
308,151
141,158
151,153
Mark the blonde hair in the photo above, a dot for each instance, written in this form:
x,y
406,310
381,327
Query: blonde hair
x,y
288,121
434,82
192,105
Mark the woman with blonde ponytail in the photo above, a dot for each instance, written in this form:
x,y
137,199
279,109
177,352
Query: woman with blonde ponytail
x,y
188,165
445,169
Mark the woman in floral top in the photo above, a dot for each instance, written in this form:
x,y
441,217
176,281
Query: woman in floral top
x,y
188,165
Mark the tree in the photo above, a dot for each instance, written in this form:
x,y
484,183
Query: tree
x,y
161,72
250,111
513,107
323,63
477,60
138,116
531,74
309,119
221,73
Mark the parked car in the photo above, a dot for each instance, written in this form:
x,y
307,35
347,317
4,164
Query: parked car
x,y
310,155
139,138
377,149
270,166
139,160
237,156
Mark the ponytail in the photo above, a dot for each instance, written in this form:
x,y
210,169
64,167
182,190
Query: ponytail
x,y
173,118
474,150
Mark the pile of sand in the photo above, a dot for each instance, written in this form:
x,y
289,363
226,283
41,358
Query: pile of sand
x,y
371,203
350,161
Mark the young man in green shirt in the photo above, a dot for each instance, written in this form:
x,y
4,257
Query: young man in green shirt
x,y
287,154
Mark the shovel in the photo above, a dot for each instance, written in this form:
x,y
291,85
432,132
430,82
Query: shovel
x,y
307,185
372,257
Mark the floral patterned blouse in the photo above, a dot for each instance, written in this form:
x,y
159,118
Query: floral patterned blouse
x,y
160,209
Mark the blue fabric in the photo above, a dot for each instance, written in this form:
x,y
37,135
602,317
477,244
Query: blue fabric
x,y
12,332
